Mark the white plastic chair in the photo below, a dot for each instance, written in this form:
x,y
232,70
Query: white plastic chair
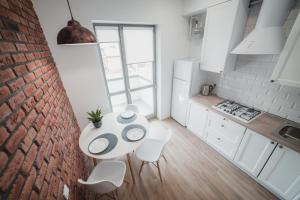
x,y
106,177
132,107
159,133
152,150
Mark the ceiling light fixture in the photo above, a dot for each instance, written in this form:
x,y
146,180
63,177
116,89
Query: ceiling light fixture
x,y
74,33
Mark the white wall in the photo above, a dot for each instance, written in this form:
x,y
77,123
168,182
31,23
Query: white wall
x,y
250,82
79,66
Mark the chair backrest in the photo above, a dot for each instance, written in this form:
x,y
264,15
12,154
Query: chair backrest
x,y
166,139
161,134
168,136
100,187
132,107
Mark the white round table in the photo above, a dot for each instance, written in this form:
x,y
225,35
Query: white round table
x,y
111,125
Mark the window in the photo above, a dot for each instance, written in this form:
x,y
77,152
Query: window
x,y
128,57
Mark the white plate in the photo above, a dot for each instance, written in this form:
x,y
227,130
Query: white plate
x,y
135,134
98,145
127,114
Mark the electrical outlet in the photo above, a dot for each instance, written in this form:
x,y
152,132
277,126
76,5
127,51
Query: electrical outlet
x,y
66,192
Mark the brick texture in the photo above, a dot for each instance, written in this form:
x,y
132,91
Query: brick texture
x,y
39,134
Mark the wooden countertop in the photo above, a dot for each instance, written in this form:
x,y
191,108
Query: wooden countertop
x,y
266,124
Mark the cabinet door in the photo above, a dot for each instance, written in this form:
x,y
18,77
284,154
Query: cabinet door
x,y
282,172
217,35
287,69
197,119
254,152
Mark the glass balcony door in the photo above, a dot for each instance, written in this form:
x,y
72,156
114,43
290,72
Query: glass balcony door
x,y
128,58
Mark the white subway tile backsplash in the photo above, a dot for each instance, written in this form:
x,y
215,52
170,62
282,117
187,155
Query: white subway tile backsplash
x,y
250,83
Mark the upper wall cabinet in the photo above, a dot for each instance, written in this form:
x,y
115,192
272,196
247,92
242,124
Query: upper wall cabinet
x,y
224,27
191,7
287,70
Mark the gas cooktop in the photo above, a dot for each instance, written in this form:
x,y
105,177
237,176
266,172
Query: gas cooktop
x,y
238,111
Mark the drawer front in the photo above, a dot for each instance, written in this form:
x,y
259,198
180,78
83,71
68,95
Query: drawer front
x,y
213,138
229,129
221,143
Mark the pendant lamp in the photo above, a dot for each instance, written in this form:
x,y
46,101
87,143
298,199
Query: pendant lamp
x,y
74,33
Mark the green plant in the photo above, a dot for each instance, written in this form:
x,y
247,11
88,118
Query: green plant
x,y
95,116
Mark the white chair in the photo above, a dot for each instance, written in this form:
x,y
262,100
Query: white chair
x,y
152,150
106,177
158,132
132,107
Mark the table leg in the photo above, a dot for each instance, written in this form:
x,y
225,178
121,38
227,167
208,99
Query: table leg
x,y
131,171
143,162
95,162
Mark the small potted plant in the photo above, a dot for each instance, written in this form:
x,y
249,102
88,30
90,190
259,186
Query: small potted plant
x,y
95,117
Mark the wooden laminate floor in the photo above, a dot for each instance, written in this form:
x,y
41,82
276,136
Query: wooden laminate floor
x,y
193,171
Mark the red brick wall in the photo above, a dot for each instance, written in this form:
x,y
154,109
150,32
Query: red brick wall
x,y
39,134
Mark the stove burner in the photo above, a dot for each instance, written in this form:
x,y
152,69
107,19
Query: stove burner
x,y
250,110
238,111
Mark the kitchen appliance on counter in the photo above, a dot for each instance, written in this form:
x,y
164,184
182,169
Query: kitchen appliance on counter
x,y
238,111
187,80
206,89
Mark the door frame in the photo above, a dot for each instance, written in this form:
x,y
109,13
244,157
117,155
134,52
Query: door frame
x,y
125,68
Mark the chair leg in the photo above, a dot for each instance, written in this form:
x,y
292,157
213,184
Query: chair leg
x,y
114,195
143,162
131,171
164,157
126,181
117,194
157,162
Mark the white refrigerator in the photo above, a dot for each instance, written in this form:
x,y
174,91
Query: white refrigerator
x,y
187,81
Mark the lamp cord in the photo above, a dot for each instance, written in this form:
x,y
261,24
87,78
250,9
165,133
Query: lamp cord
x,y
70,10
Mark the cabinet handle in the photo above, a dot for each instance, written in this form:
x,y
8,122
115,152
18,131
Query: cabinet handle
x,y
272,142
219,138
272,81
224,118
280,146
222,125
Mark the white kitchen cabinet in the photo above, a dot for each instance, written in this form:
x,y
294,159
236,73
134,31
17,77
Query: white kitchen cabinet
x,y
197,118
281,174
254,152
224,27
287,70
223,134
192,7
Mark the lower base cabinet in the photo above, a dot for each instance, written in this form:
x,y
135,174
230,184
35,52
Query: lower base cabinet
x,y
273,165
197,118
281,173
223,134
254,152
